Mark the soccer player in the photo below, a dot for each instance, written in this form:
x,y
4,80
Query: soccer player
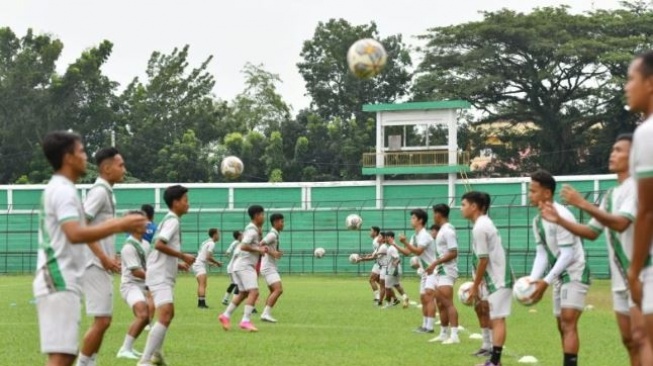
x,y
245,275
375,231
446,246
61,257
233,252
132,287
640,100
422,245
614,217
269,268
393,272
493,270
151,226
561,249
163,264
100,206
204,257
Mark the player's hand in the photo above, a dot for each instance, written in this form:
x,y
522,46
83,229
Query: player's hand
x,y
129,223
549,212
540,289
218,263
474,295
183,266
277,254
187,258
402,238
635,286
110,264
429,270
570,195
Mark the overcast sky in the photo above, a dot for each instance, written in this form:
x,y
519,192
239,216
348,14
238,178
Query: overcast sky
x,y
270,32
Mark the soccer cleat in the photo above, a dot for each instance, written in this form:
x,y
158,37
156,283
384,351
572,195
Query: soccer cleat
x,y
419,330
202,306
268,318
439,338
128,354
225,321
254,311
482,353
406,303
451,340
248,326
396,302
157,359
225,302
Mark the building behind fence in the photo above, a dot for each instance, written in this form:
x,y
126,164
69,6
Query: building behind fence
x,y
315,217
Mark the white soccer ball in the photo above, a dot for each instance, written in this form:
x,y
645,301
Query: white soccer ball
x,y
354,258
523,290
420,271
414,263
366,58
319,252
353,222
463,293
232,167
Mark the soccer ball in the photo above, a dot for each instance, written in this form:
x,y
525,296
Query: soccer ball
x,y
354,258
319,252
523,290
463,293
354,222
414,263
366,58
231,167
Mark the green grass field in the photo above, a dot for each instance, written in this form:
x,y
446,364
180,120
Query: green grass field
x,y
322,321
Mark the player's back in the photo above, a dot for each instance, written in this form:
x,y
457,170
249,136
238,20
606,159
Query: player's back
x,y
100,206
162,268
247,259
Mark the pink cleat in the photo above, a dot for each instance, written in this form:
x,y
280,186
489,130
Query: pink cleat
x,y
248,326
224,320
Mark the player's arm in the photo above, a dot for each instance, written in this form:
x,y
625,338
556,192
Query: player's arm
x,y
232,247
549,213
452,251
618,222
246,244
78,234
643,231
130,259
481,251
409,247
168,229
210,259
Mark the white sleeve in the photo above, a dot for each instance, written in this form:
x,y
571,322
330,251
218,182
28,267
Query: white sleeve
x,y
168,229
594,224
232,246
129,257
628,207
66,206
563,261
540,263
249,237
642,152
423,241
210,247
480,243
95,199
452,241
270,239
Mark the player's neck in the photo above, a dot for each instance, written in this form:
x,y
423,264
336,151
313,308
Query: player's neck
x,y
138,237
418,228
476,215
622,176
104,177
68,173
443,222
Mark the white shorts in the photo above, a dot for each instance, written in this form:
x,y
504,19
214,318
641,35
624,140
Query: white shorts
x,y
132,294
376,269
271,276
500,303
444,280
570,295
246,279
427,282
647,289
98,291
198,269
622,302
60,315
392,281
162,294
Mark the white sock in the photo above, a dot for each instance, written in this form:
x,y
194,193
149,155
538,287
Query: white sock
x,y
92,361
248,313
444,331
487,338
404,296
424,322
429,323
226,296
230,310
267,310
154,341
128,343
376,295
83,360
454,332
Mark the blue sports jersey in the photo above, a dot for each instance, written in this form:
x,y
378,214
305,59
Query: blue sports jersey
x,y
149,231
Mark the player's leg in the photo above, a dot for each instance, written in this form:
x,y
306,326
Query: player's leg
x,y
622,314
445,290
374,281
500,303
276,289
59,315
572,303
388,283
647,302
444,317
164,302
250,284
639,336
423,298
404,296
225,317
60,359
136,300
232,286
98,289
201,289
381,290
482,309
429,303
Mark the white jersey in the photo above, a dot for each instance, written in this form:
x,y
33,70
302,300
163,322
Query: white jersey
x,y
245,259
423,239
133,256
619,200
162,268
553,237
375,245
486,243
206,248
447,241
234,255
269,263
641,158
100,206
382,255
59,263
393,255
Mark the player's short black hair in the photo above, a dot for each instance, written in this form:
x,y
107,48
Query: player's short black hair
x,y
382,233
420,214
545,179
135,212
376,229
275,216
254,210
480,199
442,209
236,234
105,154
488,201
174,193
625,137
149,211
435,227
389,234
646,66
57,144
212,231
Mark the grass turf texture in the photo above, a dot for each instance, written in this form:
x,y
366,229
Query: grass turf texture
x,y
322,321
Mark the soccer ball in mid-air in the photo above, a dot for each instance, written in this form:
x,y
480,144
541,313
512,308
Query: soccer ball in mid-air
x,y
463,293
414,263
232,167
353,222
366,58
319,252
523,290
354,258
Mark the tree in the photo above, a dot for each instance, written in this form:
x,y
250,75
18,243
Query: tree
x,y
334,91
182,161
274,159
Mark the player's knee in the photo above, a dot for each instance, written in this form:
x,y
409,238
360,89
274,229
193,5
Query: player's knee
x,y
103,323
